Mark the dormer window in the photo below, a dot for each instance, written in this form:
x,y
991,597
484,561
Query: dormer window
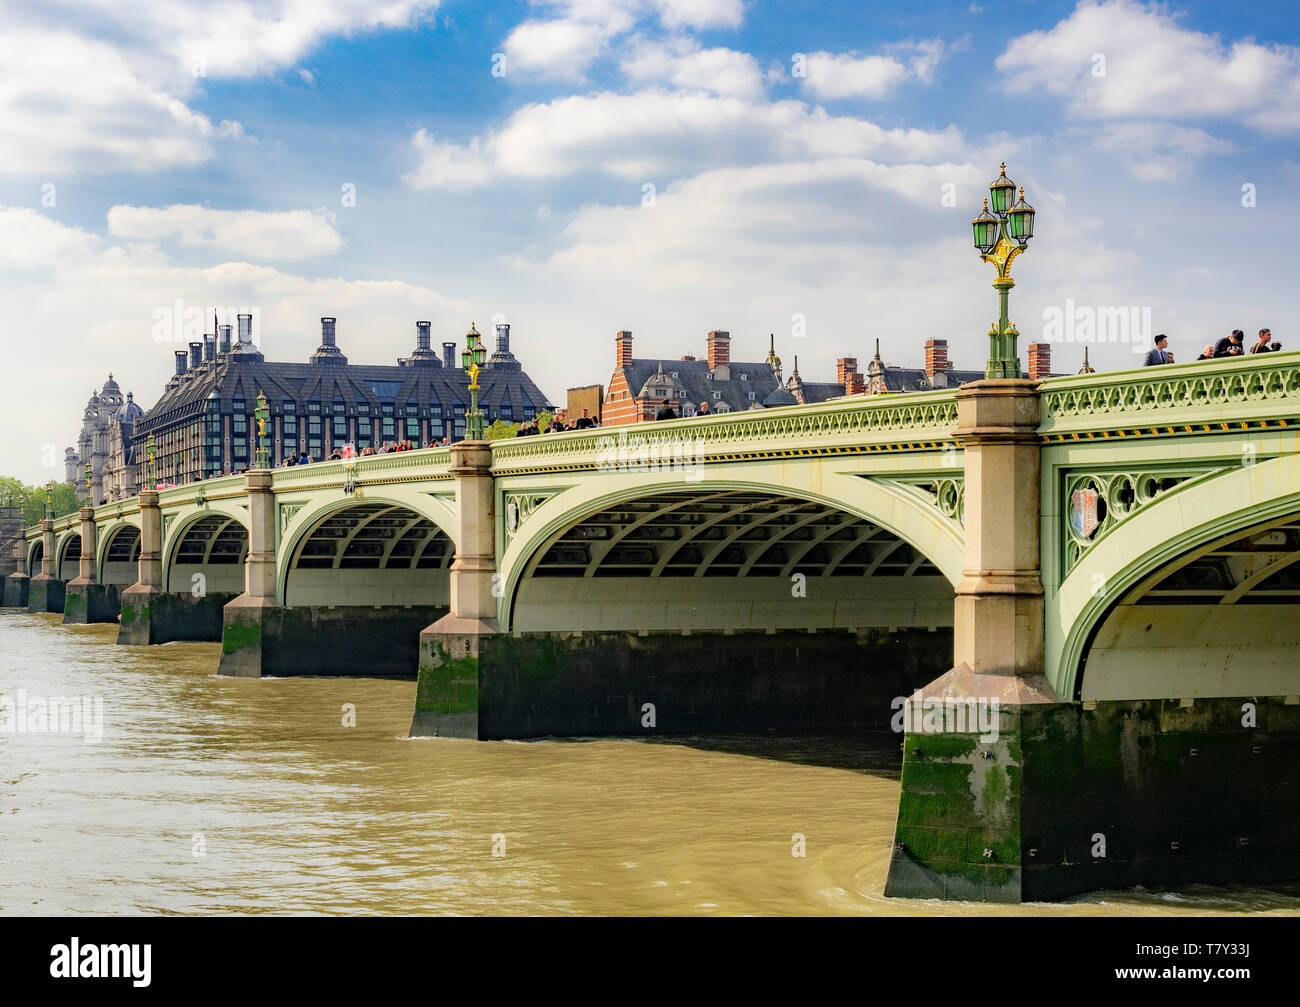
x,y
744,377
717,396
675,374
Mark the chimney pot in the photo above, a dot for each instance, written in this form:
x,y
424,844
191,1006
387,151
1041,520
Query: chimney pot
x,y
181,357
449,354
422,335
326,331
196,354
225,339
245,329
209,346
503,337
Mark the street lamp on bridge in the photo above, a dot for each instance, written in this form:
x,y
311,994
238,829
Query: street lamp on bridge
x,y
999,237
262,413
472,358
49,500
150,454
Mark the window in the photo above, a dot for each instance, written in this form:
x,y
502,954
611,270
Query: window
x,y
364,434
313,407
339,430
507,411
412,428
717,396
435,408
674,374
751,396
744,377
459,431
363,407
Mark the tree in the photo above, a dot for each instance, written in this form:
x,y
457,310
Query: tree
x,y
32,499
500,428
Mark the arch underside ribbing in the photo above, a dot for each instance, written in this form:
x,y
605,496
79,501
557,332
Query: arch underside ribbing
x,y
120,556
69,554
728,559
214,547
371,554
1218,621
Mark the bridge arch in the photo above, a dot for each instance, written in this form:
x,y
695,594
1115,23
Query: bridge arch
x,y
118,561
35,555
1187,598
390,550
211,540
67,551
759,530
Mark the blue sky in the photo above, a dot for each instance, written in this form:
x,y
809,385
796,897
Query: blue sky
x,y
129,180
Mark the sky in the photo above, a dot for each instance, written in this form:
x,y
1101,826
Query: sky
x,y
664,166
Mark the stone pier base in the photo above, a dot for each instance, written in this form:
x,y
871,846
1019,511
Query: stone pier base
x,y
151,616
1069,799
16,588
86,602
262,639
45,594
477,684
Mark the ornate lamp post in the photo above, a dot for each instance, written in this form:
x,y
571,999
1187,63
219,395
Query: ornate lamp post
x,y
89,481
1000,236
151,456
262,413
472,358
49,500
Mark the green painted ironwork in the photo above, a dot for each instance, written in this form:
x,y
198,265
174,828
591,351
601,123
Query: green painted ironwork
x,y
999,237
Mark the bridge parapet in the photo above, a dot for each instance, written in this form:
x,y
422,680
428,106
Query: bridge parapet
x,y
1206,396
374,470
841,426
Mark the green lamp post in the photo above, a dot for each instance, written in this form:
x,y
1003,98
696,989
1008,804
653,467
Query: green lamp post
x,y
49,500
262,413
1000,236
89,481
150,454
472,358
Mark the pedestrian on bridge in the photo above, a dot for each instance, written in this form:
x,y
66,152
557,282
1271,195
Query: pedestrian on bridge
x,y
1230,346
1264,345
1161,354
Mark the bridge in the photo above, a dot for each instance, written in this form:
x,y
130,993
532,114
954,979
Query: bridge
x,y
1085,585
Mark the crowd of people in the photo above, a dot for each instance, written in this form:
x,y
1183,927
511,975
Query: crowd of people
x,y
531,428
1232,345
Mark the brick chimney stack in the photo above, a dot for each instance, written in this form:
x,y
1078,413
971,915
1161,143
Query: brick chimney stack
x,y
623,348
854,383
844,368
719,348
936,357
1040,360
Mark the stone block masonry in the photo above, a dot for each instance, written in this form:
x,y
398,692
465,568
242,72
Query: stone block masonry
x,y
531,685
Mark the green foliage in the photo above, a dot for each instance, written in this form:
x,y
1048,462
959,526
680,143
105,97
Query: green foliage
x,y
500,428
32,499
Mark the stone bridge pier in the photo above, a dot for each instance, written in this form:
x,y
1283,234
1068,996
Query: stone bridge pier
x,y
45,590
86,600
16,584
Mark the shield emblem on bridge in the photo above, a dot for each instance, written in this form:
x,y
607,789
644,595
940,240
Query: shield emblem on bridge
x,y
1083,512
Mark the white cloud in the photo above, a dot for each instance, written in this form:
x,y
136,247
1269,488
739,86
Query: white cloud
x,y
831,76
1154,68
683,64
90,309
30,239
292,234
577,33
1152,151
118,100
653,133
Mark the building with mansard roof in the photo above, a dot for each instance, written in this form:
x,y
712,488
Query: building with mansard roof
x,y
204,425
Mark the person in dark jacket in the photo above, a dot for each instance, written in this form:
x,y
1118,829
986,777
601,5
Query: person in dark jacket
x,y
1160,355
666,412
1264,345
1230,346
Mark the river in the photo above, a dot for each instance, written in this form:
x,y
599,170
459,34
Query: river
x,y
207,795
